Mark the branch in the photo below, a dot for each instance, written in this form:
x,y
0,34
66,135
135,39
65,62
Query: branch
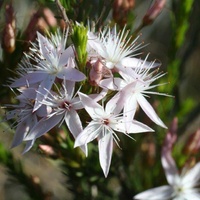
x,y
62,10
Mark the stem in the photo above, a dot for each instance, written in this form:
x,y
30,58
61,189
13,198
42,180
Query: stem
x,y
62,10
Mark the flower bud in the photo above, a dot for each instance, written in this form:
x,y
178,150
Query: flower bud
x,y
96,73
153,12
121,9
9,32
192,145
30,32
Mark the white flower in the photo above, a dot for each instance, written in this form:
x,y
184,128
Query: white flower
x,y
103,126
25,118
53,61
64,106
184,186
132,90
116,50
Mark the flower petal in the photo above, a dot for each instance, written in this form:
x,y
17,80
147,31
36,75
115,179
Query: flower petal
x,y
138,127
90,133
91,106
43,126
28,146
71,74
75,126
105,152
112,83
69,52
192,178
42,90
148,109
158,193
29,79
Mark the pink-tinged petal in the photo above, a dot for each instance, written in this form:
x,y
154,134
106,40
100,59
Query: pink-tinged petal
x,y
75,126
42,90
28,146
29,79
158,193
43,126
68,53
192,177
90,133
71,74
168,163
99,96
148,109
105,152
112,83
91,106
138,127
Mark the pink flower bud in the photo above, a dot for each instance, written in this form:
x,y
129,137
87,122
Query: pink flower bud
x,y
96,73
9,32
192,145
121,9
48,150
49,17
153,12
30,32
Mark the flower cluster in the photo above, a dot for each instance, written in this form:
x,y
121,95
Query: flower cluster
x,y
96,74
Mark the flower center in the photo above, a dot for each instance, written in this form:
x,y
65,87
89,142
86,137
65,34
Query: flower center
x,y
105,121
65,105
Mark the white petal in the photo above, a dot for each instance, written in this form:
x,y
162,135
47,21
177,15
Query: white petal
x,y
105,152
75,126
192,196
91,106
148,109
171,171
131,62
138,127
117,102
130,107
23,128
42,90
29,79
28,146
158,193
43,126
45,46
65,56
135,62
192,178
71,74
112,83
99,96
91,132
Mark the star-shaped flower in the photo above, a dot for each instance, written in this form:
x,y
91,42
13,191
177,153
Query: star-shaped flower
x,y
104,125
182,186
64,106
53,61
132,89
